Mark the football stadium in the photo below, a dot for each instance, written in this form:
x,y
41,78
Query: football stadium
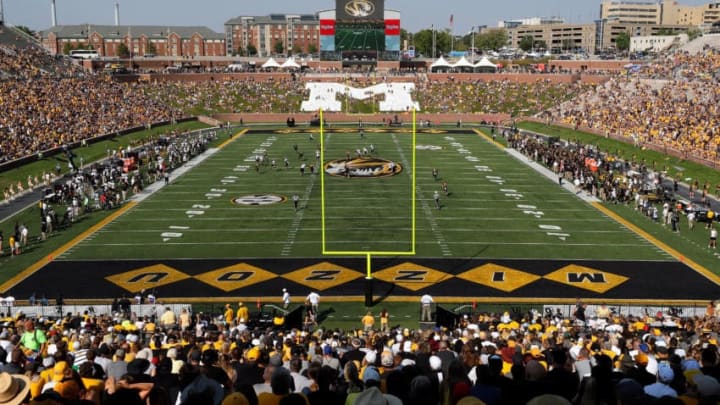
x,y
319,235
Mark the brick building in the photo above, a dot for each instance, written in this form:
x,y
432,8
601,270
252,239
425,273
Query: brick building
x,y
291,33
177,41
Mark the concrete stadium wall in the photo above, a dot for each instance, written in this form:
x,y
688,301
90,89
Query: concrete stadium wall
x,y
379,119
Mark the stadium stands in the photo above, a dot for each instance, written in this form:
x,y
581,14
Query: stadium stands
x,y
671,103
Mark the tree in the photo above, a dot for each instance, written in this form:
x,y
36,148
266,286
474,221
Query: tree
x,y
123,50
279,47
312,48
251,50
492,39
526,43
296,49
67,48
423,42
151,48
693,33
622,41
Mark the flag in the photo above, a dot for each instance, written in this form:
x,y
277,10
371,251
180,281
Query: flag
x,y
451,19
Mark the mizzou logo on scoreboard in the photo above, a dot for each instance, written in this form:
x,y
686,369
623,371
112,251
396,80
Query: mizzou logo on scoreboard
x,y
362,167
359,8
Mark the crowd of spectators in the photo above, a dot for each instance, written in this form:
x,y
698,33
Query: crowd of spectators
x,y
46,103
593,356
458,96
285,96
106,184
675,108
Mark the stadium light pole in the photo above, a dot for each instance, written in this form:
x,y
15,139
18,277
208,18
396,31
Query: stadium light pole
x,y
472,44
432,27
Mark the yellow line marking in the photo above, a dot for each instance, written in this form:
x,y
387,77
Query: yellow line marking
x,y
235,136
487,138
672,252
64,248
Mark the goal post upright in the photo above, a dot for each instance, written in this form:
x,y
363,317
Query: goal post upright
x,y
368,254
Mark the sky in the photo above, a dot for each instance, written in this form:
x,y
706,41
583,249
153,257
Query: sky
x,y
415,14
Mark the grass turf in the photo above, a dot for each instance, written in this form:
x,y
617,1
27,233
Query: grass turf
x,y
497,208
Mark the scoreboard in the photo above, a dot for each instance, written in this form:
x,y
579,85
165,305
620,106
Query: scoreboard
x,y
360,31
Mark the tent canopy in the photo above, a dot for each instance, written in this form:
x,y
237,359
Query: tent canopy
x,y
290,64
271,63
485,66
462,63
485,62
441,62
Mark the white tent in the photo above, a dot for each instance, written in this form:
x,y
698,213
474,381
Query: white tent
x,y
440,64
271,63
290,64
485,66
463,64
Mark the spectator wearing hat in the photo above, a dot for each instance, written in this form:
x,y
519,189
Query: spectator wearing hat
x,y
662,388
329,358
33,340
229,314
354,354
118,367
94,383
243,314
14,388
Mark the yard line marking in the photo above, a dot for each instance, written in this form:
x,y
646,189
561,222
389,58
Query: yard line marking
x,y
295,226
434,229
667,249
64,248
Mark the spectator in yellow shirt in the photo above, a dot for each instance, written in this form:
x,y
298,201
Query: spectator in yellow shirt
x,y
368,321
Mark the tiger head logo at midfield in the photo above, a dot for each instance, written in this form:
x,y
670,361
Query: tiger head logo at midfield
x,y
364,167
359,8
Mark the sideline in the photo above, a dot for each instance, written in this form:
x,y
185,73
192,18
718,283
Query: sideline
x,y
672,252
64,248
133,201
489,139
232,138
595,203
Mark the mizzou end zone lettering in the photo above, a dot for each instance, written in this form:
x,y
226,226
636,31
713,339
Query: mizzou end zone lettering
x,y
322,276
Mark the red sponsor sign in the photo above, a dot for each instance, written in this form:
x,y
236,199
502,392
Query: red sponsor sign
x,y
392,27
327,27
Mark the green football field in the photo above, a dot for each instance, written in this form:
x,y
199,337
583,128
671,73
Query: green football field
x,y
497,207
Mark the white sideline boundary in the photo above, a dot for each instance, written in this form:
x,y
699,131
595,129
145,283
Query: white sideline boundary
x,y
567,185
159,184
